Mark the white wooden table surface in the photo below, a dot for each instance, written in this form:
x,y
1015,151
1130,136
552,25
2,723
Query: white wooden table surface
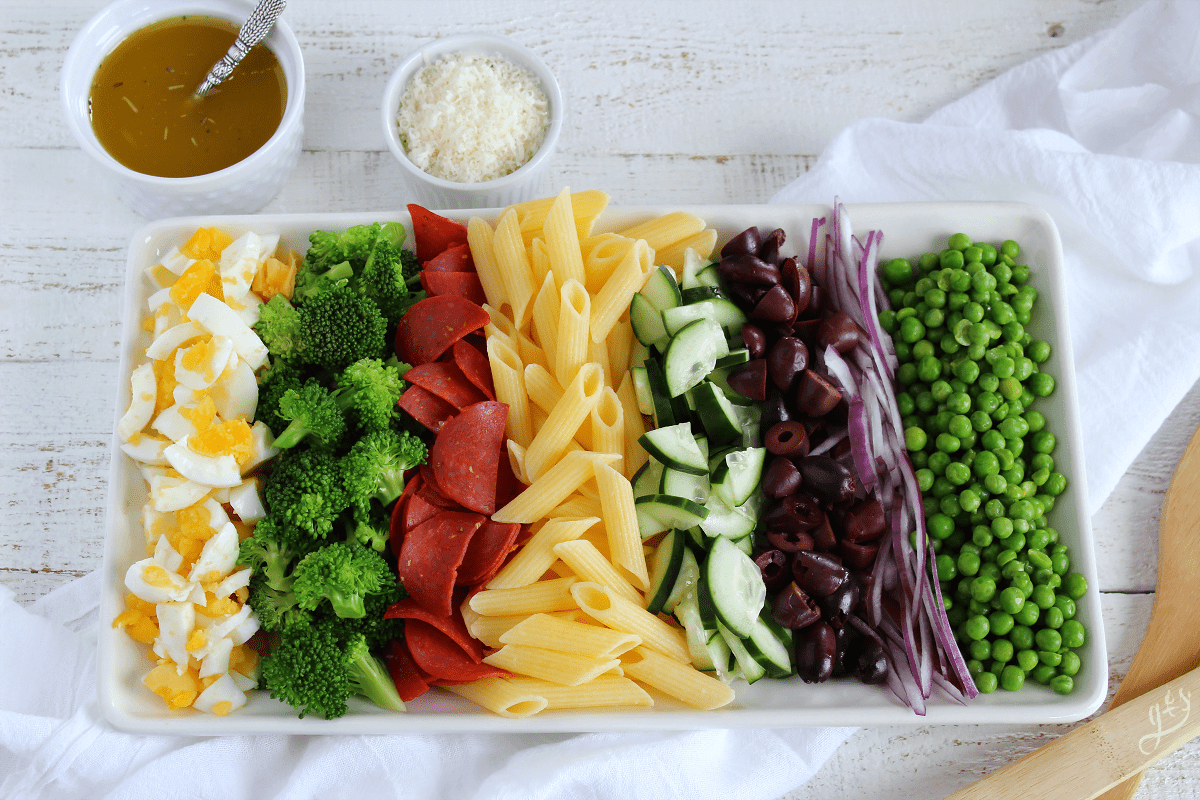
x,y
668,102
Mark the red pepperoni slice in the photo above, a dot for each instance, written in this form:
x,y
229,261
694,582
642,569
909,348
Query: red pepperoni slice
x,y
419,510
453,625
426,407
434,233
440,656
397,527
489,547
431,554
460,284
410,681
456,258
447,381
434,324
474,366
465,457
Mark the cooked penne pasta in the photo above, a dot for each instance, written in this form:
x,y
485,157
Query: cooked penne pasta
x,y
589,564
539,261
601,255
562,240
544,390
574,316
663,231
586,205
601,692
578,400
497,695
674,255
607,423
508,377
567,669
620,345
515,270
614,611
626,280
555,633
545,318
516,460
578,506
489,629
681,681
551,488
479,238
537,554
552,595
620,520
635,426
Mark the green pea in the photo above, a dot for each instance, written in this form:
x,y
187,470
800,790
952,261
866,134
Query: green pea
x,y
1056,484
1063,684
983,589
1010,248
1043,442
1012,601
977,627
1066,605
1039,351
938,461
1075,585
947,570
1042,674
1073,634
915,438
980,650
1002,650
911,330
898,272
968,563
986,682
1042,597
969,500
1002,527
1070,663
1028,615
1001,622
947,443
1053,617
1051,658
1012,678
951,259
1048,639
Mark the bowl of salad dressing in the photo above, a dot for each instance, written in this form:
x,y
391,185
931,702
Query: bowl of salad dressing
x,y
128,91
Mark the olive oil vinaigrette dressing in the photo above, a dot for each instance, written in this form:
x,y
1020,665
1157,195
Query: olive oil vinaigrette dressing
x,y
144,112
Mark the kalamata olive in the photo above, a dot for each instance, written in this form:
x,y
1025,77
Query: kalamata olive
x,y
816,647
819,574
787,439
790,541
748,270
745,295
848,646
750,379
795,513
775,409
798,282
872,665
780,478
775,306
857,556
864,522
814,395
827,479
774,566
839,330
786,359
745,242
823,536
768,248
842,602
794,609
755,340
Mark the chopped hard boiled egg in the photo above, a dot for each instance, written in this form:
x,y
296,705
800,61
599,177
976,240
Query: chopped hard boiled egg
x,y
210,471
143,392
221,697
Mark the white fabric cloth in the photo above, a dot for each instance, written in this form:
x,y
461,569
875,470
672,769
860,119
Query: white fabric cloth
x,y
1105,136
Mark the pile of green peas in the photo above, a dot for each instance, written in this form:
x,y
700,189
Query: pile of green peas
x,y
969,380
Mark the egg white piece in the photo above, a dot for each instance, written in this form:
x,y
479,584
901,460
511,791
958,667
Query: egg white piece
x,y
209,471
239,263
248,308
175,623
248,627
169,493
217,518
247,501
244,682
236,392
147,450
150,472
160,298
172,424
223,627
143,393
215,356
218,556
221,320
167,556
217,660
173,337
159,276
185,396
223,689
262,446
232,583
171,588
176,261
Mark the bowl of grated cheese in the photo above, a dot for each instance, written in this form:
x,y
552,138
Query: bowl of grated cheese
x,y
473,120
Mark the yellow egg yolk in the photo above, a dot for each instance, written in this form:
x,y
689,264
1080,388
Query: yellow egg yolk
x,y
194,281
206,243
228,438
202,415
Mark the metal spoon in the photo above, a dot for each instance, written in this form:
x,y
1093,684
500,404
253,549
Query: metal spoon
x,y
261,20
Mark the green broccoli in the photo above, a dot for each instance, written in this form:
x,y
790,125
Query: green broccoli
x,y
338,326
375,465
279,328
276,609
329,248
306,489
369,389
315,670
343,573
272,384
383,279
312,412
380,632
311,282
370,526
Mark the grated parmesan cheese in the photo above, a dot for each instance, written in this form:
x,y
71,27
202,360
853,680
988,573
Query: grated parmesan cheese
x,y
470,118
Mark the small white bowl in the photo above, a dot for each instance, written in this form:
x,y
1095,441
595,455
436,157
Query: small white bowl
x,y
242,188
524,183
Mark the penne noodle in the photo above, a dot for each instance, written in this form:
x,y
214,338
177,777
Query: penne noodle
x,y
578,400
620,344
497,695
635,426
537,554
616,612
566,669
681,681
589,564
489,629
620,520
552,487
702,243
613,298
607,423
577,506
553,595
515,271
574,316
602,692
479,238
562,240
597,353
545,317
601,255
516,460
586,205
565,636
663,231
544,391
508,376
539,261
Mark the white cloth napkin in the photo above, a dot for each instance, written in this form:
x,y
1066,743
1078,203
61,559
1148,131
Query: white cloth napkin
x,y
1105,136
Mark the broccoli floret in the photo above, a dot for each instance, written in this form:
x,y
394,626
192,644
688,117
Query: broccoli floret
x,y
375,465
312,412
380,632
271,553
305,489
314,670
279,327
370,526
369,389
383,279
328,248
311,281
276,609
274,382
343,573
338,326
411,267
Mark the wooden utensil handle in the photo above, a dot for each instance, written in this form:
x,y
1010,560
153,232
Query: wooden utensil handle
x,y
1104,752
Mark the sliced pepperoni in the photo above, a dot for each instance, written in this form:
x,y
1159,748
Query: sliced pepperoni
x,y
465,457
410,680
459,284
475,366
440,656
419,510
430,556
434,324
426,407
489,547
456,258
453,625
447,381
433,232
397,526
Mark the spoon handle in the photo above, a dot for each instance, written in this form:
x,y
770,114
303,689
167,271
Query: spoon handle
x,y
256,28
1097,756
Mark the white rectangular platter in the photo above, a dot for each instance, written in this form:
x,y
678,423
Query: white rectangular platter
x,y
909,229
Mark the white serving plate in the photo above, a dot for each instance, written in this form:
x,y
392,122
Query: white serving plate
x,y
909,230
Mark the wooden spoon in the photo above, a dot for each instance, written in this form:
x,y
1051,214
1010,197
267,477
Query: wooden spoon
x,y
1105,758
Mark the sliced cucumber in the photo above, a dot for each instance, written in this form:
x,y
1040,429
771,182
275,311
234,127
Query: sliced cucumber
x,y
698,293
770,644
641,389
731,523
708,276
733,358
717,415
698,540
692,353
664,410
725,312
751,669
685,484
646,321
661,289
734,586
659,512
692,264
687,578
750,418
675,447
664,569
720,376
648,479
688,615
736,477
